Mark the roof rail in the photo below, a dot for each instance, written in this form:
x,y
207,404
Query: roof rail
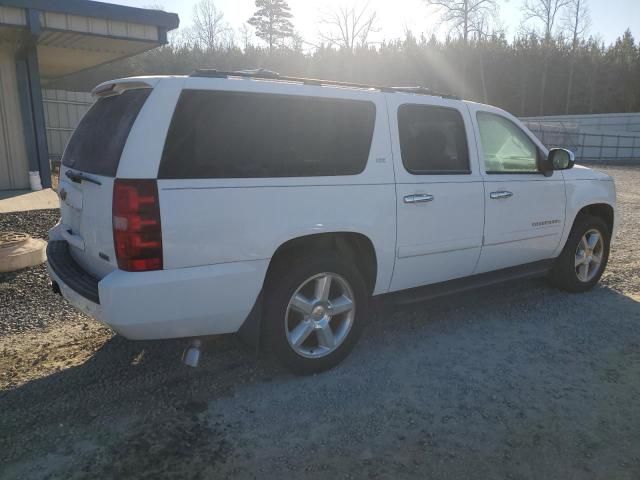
x,y
264,74
424,91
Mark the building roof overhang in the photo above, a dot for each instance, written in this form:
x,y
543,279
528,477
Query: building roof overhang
x,y
73,35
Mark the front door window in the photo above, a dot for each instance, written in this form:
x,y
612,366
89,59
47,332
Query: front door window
x,y
506,148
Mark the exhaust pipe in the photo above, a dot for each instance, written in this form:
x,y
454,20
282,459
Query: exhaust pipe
x,y
191,355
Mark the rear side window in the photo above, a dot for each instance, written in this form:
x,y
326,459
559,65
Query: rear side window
x,y
217,134
432,140
97,143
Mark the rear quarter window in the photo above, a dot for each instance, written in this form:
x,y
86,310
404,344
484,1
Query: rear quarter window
x,y
218,134
97,143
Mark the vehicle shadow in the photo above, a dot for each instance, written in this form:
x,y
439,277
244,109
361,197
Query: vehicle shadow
x,y
127,382
125,360
156,362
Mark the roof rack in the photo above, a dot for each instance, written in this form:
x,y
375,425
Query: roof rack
x,y
264,74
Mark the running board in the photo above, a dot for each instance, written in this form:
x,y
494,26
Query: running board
x,y
428,292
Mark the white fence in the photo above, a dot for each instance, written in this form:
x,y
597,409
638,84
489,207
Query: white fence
x,y
62,110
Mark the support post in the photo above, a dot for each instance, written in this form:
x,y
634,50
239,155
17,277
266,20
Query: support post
x,y
31,98
24,92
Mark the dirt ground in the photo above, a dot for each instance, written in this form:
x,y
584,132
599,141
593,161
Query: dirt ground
x,y
517,381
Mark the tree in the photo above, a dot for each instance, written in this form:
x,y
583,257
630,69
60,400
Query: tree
x,y
466,17
348,26
245,36
545,12
577,21
209,29
272,21
623,71
606,79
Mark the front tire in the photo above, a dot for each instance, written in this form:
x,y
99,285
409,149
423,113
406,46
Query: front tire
x,y
584,257
315,309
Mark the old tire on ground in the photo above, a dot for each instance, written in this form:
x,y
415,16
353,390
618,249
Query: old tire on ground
x,y
584,257
19,250
315,309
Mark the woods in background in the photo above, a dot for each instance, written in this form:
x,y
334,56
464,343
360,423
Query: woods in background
x,y
550,68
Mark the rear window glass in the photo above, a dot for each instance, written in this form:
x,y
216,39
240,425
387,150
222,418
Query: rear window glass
x,y
432,140
217,134
97,143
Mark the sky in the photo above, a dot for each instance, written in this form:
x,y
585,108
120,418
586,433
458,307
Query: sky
x,y
610,18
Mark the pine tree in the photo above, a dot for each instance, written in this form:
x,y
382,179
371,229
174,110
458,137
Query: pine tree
x,y
271,21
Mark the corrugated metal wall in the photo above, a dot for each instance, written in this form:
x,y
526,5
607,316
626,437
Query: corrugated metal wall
x,y
593,138
62,110
609,122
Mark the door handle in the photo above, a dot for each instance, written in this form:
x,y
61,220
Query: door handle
x,y
501,194
418,198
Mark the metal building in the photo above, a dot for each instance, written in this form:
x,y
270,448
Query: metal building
x,y
45,39
63,110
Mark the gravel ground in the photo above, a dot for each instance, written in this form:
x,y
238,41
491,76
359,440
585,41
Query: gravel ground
x,y
517,381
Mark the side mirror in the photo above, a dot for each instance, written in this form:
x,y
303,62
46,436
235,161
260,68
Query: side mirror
x,y
561,159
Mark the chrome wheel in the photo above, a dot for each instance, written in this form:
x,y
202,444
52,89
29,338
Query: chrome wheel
x,y
589,255
319,315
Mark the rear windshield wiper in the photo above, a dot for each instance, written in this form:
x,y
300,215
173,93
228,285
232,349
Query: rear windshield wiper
x,y
79,176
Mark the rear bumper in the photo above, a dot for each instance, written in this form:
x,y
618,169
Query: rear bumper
x,y
185,302
69,272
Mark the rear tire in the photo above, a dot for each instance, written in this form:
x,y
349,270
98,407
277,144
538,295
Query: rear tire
x,y
584,257
315,309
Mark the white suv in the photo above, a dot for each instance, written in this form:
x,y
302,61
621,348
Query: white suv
x,y
277,206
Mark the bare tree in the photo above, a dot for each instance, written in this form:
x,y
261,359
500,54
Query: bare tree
x,y
349,26
209,29
577,20
466,17
544,12
481,34
297,42
245,36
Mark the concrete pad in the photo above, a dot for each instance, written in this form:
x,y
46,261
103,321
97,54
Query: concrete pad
x,y
23,200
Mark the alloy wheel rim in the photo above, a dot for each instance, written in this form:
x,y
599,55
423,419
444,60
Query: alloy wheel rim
x,y
588,258
320,315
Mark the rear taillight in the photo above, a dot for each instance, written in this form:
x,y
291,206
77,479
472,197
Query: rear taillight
x,y
137,233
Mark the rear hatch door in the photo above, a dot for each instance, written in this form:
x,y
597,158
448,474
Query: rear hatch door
x,y
89,167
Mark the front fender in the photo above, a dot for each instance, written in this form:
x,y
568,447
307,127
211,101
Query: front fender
x,y
583,193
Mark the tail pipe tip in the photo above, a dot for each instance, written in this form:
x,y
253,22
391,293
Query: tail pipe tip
x,y
191,355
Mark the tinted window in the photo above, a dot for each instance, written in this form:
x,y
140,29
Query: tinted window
x,y
432,140
215,134
506,148
97,143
